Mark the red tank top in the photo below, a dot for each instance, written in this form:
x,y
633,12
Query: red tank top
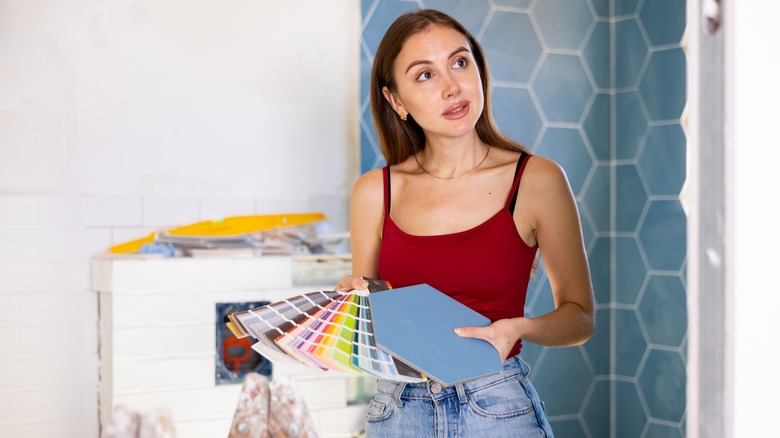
x,y
486,268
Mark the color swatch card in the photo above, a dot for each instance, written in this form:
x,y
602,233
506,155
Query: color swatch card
x,y
416,324
403,334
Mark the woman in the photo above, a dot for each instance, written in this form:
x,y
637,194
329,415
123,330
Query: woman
x,y
463,208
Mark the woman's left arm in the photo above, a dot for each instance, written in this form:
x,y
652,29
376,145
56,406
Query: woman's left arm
x,y
547,205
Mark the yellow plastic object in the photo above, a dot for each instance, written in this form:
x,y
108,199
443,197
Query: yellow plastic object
x,y
226,227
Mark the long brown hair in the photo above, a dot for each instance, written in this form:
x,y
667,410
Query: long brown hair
x,y
400,139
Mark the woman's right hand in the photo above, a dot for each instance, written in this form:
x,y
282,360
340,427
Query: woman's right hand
x,y
349,282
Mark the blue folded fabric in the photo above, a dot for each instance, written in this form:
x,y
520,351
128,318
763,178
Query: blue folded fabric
x,y
165,249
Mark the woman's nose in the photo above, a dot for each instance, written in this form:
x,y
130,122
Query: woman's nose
x,y
451,87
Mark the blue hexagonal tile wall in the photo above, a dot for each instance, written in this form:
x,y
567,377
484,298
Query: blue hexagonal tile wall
x,y
511,46
663,310
596,200
597,55
513,3
385,12
369,136
662,381
563,23
542,301
630,124
629,416
625,7
566,147
663,235
516,114
562,88
601,8
369,154
630,52
596,417
630,268
631,197
656,430
600,269
598,125
587,229
365,72
663,84
662,160
568,428
597,348
630,345
566,379
470,13
366,6
664,21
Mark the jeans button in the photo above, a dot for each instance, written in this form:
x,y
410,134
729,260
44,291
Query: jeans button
x,y
436,388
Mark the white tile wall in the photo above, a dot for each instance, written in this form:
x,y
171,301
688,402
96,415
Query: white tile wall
x,y
40,276
10,339
219,208
113,211
40,212
37,244
9,407
171,211
56,403
49,313
158,318
46,428
275,205
10,305
88,135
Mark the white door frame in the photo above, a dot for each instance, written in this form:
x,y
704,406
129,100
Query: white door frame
x,y
710,219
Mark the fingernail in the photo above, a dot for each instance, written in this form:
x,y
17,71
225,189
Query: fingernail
x,y
458,331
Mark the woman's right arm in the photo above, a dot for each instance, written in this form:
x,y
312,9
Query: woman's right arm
x,y
366,216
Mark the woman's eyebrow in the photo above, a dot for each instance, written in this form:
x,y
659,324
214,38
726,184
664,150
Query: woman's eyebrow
x,y
413,63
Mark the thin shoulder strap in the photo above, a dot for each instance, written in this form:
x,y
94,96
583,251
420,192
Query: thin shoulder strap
x,y
512,198
386,174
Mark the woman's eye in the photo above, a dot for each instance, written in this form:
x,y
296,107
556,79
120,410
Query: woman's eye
x,y
424,76
461,63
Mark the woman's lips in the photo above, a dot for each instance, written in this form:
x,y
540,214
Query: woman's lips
x,y
457,111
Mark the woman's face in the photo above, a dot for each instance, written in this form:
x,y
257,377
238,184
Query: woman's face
x,y
438,83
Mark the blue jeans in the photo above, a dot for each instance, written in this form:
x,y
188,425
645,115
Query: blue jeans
x,y
502,405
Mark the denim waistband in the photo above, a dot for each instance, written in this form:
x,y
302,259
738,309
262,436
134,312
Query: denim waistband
x,y
436,391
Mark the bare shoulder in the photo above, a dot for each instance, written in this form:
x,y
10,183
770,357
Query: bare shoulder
x,y
546,192
544,175
369,187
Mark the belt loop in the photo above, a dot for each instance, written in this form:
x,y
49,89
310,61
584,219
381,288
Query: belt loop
x,y
397,394
524,366
461,393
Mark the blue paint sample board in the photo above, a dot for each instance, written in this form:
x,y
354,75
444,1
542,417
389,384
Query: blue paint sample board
x,y
416,323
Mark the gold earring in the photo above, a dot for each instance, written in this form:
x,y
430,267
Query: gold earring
x,y
403,117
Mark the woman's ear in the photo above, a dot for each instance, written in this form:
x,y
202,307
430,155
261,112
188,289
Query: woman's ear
x,y
394,101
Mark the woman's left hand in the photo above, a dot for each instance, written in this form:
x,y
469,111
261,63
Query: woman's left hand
x,y
502,335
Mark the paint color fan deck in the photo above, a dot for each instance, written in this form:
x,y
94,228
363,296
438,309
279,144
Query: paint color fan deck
x,y
403,334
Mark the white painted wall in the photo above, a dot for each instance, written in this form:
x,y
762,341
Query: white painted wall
x,y
178,97
121,117
756,238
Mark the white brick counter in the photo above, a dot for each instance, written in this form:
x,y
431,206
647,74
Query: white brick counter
x,y
157,339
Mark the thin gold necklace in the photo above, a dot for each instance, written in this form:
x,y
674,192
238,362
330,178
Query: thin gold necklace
x,y
454,176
